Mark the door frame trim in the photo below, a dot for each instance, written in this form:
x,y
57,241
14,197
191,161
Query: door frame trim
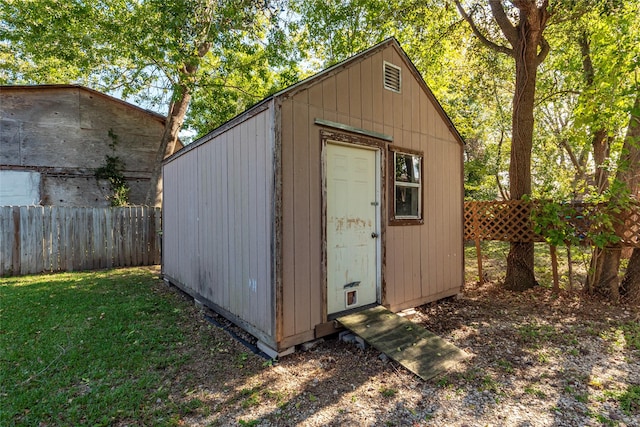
x,y
380,147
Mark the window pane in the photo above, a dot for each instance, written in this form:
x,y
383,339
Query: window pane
x,y
407,168
407,201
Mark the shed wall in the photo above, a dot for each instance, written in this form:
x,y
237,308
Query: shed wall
x,y
423,262
218,223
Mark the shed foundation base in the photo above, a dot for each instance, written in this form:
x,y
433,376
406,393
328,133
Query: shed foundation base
x,y
274,354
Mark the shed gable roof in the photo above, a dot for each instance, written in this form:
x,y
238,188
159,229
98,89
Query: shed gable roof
x,y
390,42
290,91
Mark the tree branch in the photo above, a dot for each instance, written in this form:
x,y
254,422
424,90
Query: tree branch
x,y
228,86
563,143
587,64
503,192
544,50
502,19
557,93
481,37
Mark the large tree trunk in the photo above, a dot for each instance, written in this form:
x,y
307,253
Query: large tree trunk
x,y
528,48
600,142
601,151
630,286
605,264
603,277
520,260
177,111
173,124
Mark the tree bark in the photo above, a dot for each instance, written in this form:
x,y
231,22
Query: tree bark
x,y
603,279
630,286
173,124
600,142
606,264
528,48
520,261
603,266
177,111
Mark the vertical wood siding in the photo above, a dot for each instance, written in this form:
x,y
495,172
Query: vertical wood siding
x,y
219,203
35,239
423,262
218,219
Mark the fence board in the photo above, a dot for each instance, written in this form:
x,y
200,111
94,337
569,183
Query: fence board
x,y
46,238
35,239
109,236
55,239
26,241
81,240
118,256
135,236
97,238
144,232
3,237
155,229
36,218
126,234
62,230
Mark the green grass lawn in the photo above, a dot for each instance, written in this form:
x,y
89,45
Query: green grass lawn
x,y
85,348
118,347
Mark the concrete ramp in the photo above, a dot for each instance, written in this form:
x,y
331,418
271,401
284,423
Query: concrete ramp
x,y
420,351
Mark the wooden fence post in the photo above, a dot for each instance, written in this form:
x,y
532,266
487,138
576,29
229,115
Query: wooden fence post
x,y
479,255
16,249
554,268
570,266
476,232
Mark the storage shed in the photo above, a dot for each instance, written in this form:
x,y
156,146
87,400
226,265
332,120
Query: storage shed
x,y
336,194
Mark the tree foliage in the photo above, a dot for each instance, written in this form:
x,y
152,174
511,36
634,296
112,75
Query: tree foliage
x,y
204,61
156,51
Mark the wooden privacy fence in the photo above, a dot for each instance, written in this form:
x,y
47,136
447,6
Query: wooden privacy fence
x,y
35,239
510,221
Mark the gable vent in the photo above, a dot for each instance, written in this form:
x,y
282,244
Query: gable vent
x,y
391,77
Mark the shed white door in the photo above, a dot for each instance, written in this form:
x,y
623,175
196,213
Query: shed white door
x,y
352,227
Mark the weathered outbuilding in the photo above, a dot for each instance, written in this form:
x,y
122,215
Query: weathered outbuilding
x,y
338,193
54,137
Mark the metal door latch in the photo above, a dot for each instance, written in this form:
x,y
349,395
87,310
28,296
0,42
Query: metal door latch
x,y
374,235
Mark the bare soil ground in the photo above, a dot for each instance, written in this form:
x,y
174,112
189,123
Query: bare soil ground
x,y
538,359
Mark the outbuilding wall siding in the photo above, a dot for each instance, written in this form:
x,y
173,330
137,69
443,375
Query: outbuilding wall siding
x,y
244,205
423,262
218,231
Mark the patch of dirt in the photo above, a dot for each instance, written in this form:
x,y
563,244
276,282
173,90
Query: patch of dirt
x,y
538,359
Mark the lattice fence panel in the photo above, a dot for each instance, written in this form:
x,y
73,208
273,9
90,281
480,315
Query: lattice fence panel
x,y
510,221
631,231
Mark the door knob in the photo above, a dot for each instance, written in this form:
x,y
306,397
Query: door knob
x,y
374,235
